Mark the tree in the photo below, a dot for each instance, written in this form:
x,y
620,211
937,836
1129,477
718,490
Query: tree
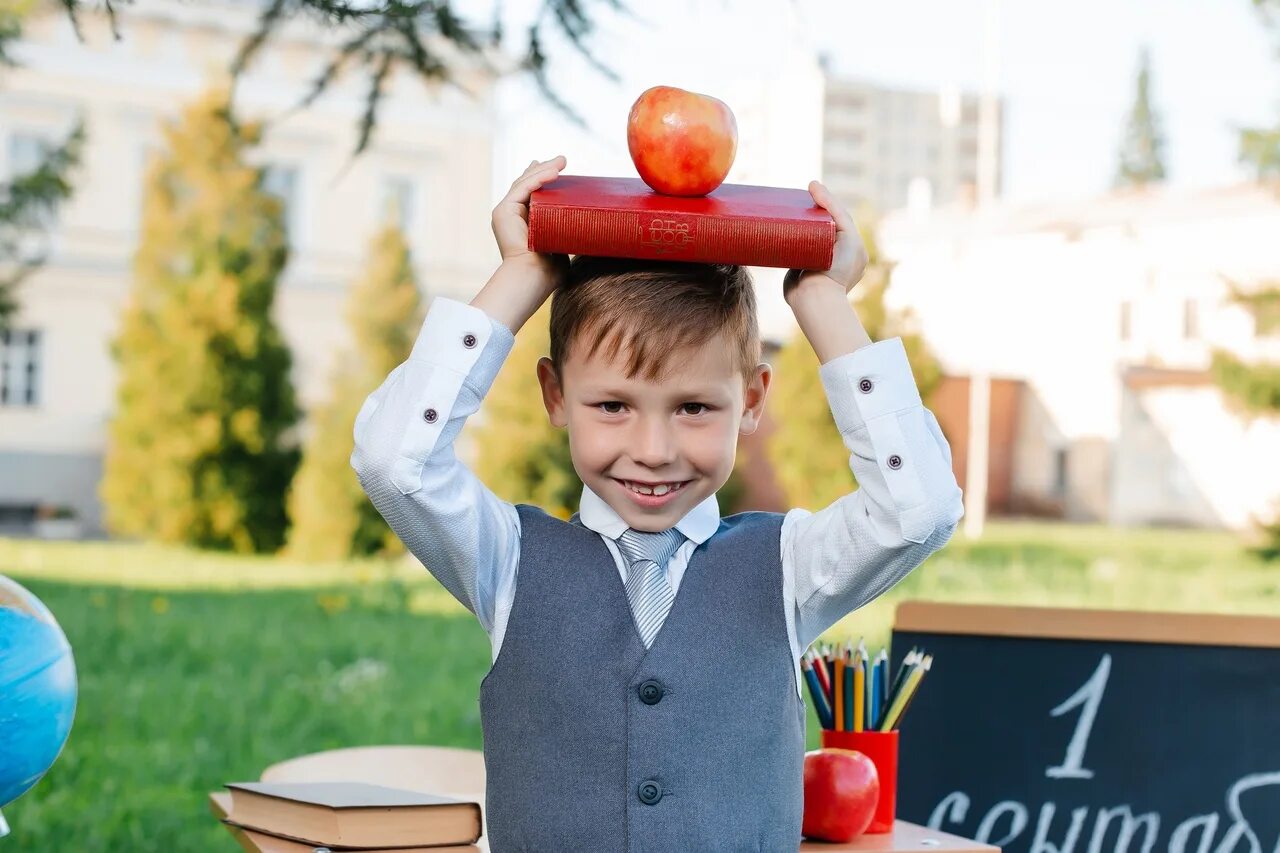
x,y
522,457
28,200
1253,389
425,36
1142,152
806,450
199,450
330,516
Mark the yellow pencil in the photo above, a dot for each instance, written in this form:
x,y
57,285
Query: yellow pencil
x,y
859,688
899,705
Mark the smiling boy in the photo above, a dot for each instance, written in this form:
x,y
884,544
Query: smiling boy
x,y
645,687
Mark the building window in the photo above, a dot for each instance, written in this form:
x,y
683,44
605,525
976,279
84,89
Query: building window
x,y
398,202
1190,320
281,181
1060,471
1125,320
27,151
19,367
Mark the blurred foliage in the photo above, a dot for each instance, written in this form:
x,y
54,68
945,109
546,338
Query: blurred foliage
x,y
1260,146
1142,152
198,447
29,201
806,450
1254,387
521,456
330,516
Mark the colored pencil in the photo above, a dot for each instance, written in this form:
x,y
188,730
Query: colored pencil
x,y
848,691
924,670
877,671
859,688
838,702
904,669
820,670
899,703
820,706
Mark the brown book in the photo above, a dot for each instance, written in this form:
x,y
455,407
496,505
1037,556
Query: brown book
x,y
353,814
265,843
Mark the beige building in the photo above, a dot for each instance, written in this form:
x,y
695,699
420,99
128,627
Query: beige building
x,y
1097,320
431,161
888,146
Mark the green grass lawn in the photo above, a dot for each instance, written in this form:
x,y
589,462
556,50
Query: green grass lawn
x,y
197,669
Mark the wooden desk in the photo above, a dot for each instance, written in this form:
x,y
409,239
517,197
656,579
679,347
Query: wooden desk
x,y
905,838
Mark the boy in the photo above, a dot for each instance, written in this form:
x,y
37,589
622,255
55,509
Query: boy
x,y
645,687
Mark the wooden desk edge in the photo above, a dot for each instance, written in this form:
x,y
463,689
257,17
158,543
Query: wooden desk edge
x,y
905,838
1062,623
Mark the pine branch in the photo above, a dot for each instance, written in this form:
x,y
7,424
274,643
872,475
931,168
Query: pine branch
x,y
384,35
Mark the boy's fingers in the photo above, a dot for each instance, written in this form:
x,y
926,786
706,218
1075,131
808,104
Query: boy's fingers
x,y
520,190
823,197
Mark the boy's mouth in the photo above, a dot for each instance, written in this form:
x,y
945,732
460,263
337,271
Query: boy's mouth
x,y
652,495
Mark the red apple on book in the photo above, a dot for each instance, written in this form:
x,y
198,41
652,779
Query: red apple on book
x,y
841,791
682,143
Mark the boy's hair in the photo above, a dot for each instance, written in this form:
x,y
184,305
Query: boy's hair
x,y
655,309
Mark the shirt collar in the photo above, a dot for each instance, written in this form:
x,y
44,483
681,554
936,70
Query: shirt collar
x,y
697,525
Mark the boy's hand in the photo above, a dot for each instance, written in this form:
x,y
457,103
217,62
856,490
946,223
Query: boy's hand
x,y
848,260
511,225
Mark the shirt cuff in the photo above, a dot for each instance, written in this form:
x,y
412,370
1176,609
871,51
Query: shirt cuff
x,y
871,381
455,335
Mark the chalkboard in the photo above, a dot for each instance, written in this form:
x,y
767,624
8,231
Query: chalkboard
x,y
1044,730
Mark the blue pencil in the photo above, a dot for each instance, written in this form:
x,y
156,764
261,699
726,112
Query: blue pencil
x,y
877,694
818,695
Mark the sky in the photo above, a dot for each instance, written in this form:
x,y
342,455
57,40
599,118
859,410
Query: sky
x,y
1066,72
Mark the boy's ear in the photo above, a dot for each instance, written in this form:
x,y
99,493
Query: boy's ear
x,y
552,393
753,399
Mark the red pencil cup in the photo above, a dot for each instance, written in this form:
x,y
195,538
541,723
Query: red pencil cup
x,y
882,749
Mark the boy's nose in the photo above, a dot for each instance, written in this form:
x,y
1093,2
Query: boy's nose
x,y
653,446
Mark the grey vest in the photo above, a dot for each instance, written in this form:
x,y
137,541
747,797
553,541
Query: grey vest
x,y
593,743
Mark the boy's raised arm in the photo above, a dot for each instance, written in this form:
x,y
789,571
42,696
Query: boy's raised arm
x,y
907,503
465,535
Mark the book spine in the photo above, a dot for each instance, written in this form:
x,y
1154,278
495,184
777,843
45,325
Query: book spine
x,y
699,238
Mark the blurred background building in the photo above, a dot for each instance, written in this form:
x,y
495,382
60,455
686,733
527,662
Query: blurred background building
x,y
887,146
1097,320
430,162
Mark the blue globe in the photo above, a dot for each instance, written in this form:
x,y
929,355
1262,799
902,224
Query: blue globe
x,y
37,690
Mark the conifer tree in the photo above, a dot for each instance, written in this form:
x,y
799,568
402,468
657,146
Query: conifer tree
x,y
199,448
806,451
1142,153
1253,387
330,516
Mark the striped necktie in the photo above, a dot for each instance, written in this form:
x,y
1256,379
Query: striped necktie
x,y
648,589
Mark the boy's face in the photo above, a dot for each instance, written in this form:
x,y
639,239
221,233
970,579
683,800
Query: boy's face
x,y
681,431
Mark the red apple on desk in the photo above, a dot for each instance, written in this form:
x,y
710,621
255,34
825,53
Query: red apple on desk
x,y
841,791
682,143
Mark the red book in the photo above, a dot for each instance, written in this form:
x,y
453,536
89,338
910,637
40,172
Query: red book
x,y
734,224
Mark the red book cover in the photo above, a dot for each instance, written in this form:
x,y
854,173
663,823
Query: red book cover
x,y
734,224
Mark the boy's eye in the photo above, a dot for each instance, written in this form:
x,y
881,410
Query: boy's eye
x,y
608,403
701,406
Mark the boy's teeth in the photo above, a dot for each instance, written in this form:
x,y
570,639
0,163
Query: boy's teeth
x,y
650,490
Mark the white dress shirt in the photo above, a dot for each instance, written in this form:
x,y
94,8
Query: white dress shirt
x,y
906,506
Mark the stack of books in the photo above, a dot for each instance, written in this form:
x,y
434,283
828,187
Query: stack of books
x,y
299,817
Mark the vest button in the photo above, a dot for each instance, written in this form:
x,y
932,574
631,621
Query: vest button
x,y
650,792
651,692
